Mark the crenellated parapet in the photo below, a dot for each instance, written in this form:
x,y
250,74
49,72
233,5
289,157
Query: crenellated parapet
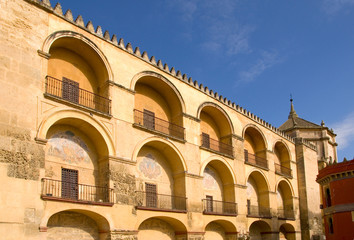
x,y
89,27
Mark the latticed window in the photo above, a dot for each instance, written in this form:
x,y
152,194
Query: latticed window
x,y
205,140
69,188
209,203
151,195
149,119
70,90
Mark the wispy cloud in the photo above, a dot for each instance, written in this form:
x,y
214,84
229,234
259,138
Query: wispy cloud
x,y
268,59
345,131
332,7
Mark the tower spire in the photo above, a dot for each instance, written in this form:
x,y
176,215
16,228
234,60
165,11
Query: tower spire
x,y
292,113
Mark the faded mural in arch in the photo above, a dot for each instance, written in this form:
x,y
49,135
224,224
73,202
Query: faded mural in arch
x,y
209,180
68,147
149,167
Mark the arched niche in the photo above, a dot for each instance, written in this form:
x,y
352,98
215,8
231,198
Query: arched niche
x,y
257,194
160,227
220,230
74,224
157,96
159,163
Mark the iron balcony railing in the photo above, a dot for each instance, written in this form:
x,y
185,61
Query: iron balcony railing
x,y
219,207
69,91
215,145
258,211
73,192
153,123
255,160
152,200
286,214
279,169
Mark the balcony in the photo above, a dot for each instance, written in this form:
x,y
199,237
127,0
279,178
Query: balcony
x,y
68,91
258,211
216,146
212,207
255,160
286,214
76,193
281,170
160,202
152,123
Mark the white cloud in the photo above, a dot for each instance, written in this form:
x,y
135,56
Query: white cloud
x,y
267,60
344,131
332,7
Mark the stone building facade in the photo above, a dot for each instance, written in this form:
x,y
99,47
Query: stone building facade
x,y
100,141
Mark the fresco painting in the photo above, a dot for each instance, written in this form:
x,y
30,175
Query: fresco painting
x,y
149,167
209,181
68,147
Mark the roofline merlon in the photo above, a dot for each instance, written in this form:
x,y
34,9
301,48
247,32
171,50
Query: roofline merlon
x,y
79,22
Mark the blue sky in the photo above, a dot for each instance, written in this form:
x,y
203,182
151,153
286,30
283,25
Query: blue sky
x,y
255,52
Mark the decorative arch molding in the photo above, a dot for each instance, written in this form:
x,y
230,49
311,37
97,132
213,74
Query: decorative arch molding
x,y
263,175
286,146
200,108
222,161
55,116
177,224
265,222
251,125
227,225
138,76
70,34
104,223
287,182
161,140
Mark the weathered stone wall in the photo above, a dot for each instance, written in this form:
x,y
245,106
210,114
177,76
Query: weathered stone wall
x,y
25,157
72,226
123,183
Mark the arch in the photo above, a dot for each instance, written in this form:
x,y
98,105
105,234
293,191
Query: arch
x,y
70,34
256,128
157,139
81,120
142,74
258,229
287,231
227,225
259,173
221,110
282,179
219,230
104,225
225,164
177,225
281,141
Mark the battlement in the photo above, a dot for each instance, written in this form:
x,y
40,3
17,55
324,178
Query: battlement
x,y
89,27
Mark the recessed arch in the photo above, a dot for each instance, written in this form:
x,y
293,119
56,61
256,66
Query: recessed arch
x,y
287,231
227,225
258,229
74,35
143,74
80,120
156,139
281,141
177,224
224,166
287,182
260,174
103,222
220,110
256,130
